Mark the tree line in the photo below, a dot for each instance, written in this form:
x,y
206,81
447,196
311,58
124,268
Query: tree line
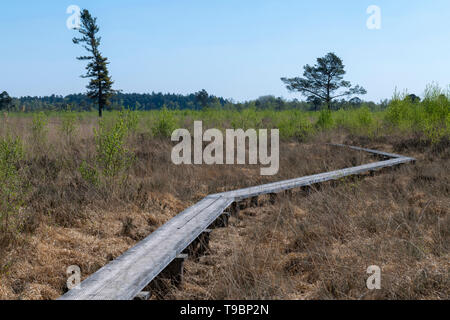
x,y
132,101
155,101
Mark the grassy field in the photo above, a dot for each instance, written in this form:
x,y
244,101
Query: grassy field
x,y
78,191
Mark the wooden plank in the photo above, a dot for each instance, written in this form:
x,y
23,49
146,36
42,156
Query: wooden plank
x,y
381,153
125,277
310,180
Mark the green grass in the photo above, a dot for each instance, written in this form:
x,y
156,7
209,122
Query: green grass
x,y
429,118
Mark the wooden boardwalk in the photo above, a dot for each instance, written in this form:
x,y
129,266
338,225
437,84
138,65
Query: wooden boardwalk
x,y
125,277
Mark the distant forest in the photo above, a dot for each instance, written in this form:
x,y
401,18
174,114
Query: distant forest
x,y
155,101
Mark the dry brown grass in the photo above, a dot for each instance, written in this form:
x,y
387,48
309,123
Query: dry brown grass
x,y
319,246
315,246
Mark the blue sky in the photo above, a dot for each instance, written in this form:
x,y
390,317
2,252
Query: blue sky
x,y
235,49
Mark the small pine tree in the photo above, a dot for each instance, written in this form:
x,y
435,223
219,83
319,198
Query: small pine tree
x,y
100,86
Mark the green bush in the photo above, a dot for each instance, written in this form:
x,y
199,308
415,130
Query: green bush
x,y
89,173
68,124
357,121
112,155
325,120
39,129
165,123
364,118
12,185
295,125
429,117
249,118
402,113
130,119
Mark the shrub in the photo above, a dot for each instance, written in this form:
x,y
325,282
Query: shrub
x,y
295,125
364,118
248,118
325,120
398,110
436,105
357,121
130,119
165,123
39,129
89,173
112,155
428,117
12,184
68,124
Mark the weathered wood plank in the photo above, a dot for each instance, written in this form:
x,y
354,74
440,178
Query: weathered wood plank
x,y
310,180
381,153
125,277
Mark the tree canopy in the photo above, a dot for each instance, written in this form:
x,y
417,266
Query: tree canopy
x,y
202,97
413,98
324,81
5,101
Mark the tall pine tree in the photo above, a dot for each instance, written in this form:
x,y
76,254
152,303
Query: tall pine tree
x,y
100,86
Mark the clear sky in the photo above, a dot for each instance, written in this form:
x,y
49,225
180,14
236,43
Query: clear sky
x,y
232,48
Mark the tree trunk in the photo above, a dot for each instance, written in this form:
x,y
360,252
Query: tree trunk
x,y
100,107
328,94
100,104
